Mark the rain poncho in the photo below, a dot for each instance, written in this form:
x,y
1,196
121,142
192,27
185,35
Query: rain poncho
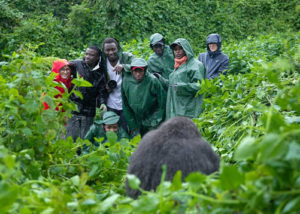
x,y
183,86
143,102
215,62
97,129
164,64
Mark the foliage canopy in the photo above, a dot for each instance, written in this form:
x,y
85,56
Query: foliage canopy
x,y
61,27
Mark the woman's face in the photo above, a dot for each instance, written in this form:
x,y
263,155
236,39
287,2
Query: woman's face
x,y
178,52
65,72
213,47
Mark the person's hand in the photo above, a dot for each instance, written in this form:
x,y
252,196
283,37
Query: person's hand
x,y
98,114
118,68
103,108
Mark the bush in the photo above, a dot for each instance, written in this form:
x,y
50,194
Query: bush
x,y
251,119
80,23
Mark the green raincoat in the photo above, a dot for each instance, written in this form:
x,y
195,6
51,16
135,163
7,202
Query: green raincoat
x,y
183,86
98,131
143,102
164,64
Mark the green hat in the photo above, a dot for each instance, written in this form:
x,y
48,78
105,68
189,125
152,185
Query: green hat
x,y
110,118
138,62
156,39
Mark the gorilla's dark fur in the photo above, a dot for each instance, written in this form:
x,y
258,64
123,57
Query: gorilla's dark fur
x,y
177,144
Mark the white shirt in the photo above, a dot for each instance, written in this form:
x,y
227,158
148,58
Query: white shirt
x,y
98,65
114,99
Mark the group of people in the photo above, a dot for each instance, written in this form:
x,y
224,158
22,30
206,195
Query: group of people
x,y
137,95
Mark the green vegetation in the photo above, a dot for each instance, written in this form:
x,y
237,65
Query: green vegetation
x,y
64,28
251,115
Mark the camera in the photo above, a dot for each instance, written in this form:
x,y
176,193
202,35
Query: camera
x,y
112,84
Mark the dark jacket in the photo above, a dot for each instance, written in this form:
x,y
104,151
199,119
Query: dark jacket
x,y
92,96
215,62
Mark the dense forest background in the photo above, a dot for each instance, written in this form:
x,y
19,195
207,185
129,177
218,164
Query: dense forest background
x,y
58,28
251,117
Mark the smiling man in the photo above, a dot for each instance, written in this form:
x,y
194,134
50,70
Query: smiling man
x,y
143,98
116,62
89,68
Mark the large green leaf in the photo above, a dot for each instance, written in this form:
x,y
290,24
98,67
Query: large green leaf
x,y
231,177
246,149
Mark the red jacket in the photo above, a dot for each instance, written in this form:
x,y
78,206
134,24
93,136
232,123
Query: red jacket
x,y
58,64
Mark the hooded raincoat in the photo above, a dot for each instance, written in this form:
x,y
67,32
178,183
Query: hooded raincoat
x,y
164,64
183,85
215,62
144,101
57,65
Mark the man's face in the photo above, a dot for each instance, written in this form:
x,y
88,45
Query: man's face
x,y
213,47
179,52
138,74
111,127
65,72
111,51
91,57
158,49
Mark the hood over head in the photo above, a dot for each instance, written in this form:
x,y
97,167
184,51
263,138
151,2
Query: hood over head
x,y
156,39
58,64
216,39
139,63
185,45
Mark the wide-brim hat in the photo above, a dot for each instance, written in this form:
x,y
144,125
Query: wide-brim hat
x,y
138,62
110,118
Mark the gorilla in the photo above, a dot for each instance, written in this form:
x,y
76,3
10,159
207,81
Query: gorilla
x,y
177,143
